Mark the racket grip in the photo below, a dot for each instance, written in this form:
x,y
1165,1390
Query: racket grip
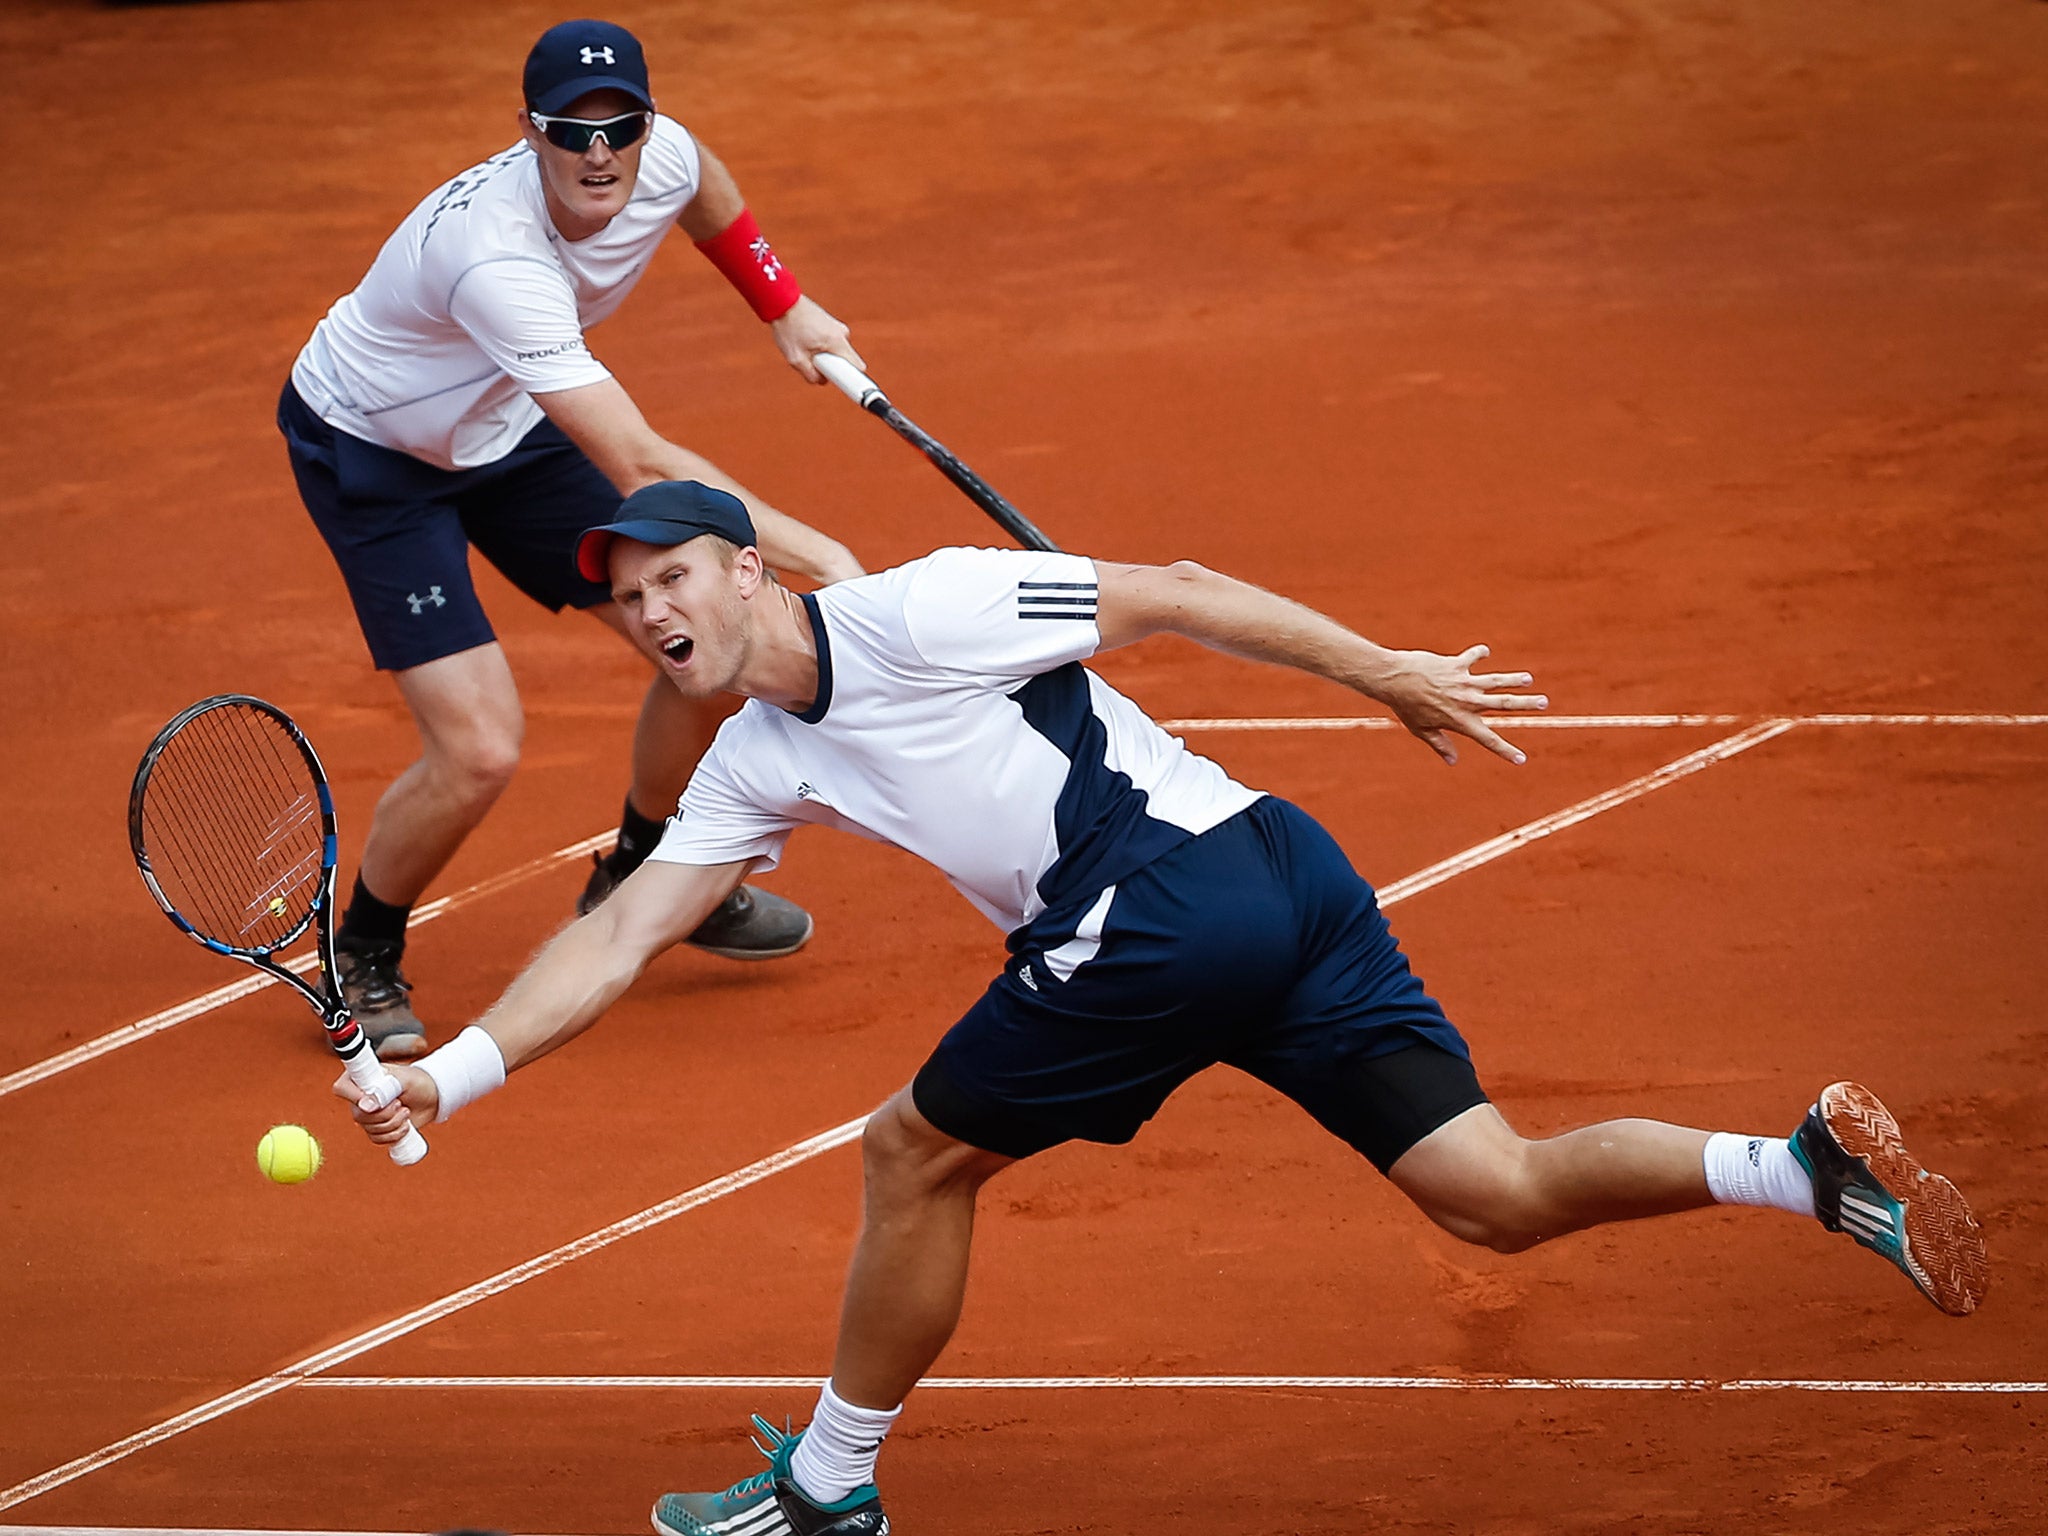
x,y
850,381
370,1078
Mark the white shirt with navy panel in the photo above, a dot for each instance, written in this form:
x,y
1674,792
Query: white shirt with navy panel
x,y
476,304
954,720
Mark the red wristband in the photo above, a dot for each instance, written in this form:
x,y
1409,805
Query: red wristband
x,y
750,264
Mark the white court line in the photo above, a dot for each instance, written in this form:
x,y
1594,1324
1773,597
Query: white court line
x,y
178,1530
1585,810
349,1349
433,1311
1197,1384
1389,723
298,965
1516,722
1923,719
220,997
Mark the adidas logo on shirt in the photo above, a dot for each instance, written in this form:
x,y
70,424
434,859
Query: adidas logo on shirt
x,y
1056,600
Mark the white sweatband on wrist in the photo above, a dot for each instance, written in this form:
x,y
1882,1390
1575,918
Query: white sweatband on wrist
x,y
464,1070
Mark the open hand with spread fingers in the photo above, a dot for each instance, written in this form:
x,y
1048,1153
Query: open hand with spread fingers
x,y
1440,698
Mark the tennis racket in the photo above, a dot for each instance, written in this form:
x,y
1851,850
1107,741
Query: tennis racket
x,y
232,826
865,393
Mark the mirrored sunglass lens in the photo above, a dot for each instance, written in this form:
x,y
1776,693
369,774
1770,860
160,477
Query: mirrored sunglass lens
x,y
576,135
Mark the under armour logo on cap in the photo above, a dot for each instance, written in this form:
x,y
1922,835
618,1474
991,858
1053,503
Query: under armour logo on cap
x,y
575,58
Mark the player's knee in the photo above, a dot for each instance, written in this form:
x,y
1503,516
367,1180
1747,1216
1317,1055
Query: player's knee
x,y
1501,1235
904,1156
1500,1205
482,764
495,760
895,1152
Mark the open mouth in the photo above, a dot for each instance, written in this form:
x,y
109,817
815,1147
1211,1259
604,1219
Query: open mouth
x,y
599,181
677,649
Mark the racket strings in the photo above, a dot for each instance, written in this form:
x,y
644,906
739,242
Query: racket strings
x,y
264,760
236,828
232,826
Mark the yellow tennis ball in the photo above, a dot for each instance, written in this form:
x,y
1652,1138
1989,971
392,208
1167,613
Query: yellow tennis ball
x,y
277,906
288,1154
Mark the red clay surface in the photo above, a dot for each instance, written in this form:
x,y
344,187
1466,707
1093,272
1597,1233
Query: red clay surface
x,y
1693,356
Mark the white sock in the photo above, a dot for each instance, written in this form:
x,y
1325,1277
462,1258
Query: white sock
x,y
1757,1170
838,1450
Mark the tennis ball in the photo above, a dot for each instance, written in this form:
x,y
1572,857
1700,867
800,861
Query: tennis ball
x,y
288,1154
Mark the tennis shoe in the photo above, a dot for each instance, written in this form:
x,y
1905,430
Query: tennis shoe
x,y
749,924
1867,1184
752,924
380,998
606,871
770,1503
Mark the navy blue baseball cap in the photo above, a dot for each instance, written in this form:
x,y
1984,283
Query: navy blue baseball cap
x,y
574,58
665,513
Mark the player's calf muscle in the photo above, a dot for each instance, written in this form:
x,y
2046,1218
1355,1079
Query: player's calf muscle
x,y
1481,1182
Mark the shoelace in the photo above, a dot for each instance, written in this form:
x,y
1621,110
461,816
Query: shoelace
x,y
375,971
776,1450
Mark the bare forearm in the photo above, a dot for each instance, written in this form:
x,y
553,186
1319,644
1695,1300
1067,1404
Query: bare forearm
x,y
604,422
786,543
1240,619
578,975
1436,696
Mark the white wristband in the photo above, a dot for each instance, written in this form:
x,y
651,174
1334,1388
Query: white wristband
x,y
464,1070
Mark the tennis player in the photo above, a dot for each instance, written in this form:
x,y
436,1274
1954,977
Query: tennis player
x,y
1161,917
451,401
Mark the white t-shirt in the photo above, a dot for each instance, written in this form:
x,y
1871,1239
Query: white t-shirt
x,y
476,304
954,719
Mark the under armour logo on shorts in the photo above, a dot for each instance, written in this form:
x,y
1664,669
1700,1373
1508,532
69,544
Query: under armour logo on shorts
x,y
592,55
419,604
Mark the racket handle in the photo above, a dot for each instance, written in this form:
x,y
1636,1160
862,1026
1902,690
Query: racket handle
x,y
370,1078
850,381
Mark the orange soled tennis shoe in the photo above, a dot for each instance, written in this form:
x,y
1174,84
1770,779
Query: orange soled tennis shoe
x,y
1867,1184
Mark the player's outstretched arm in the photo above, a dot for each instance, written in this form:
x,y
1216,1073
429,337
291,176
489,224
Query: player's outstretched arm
x,y
1437,697
806,330
580,973
718,221
603,421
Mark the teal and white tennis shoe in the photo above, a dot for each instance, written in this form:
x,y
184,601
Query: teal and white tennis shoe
x,y
1867,1184
770,1503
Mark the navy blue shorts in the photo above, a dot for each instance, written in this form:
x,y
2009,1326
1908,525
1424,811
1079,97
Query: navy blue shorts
x,y
400,530
1255,945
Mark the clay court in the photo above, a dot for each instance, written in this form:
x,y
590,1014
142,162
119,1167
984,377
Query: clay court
x,y
1693,356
